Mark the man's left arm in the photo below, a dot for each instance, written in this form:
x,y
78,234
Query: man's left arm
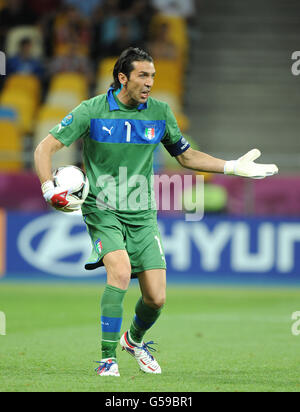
x,y
202,162
243,166
179,148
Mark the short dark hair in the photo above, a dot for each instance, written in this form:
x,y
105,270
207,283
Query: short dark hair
x,y
25,41
124,63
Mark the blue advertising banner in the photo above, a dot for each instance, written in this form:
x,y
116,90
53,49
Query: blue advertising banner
x,y
53,245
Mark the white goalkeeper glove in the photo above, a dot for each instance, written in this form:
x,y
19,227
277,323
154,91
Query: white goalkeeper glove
x,y
57,197
245,166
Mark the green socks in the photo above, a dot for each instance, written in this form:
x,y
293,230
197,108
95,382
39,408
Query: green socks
x,y
145,317
112,316
111,319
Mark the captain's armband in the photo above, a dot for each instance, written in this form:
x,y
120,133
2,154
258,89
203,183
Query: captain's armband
x,y
178,148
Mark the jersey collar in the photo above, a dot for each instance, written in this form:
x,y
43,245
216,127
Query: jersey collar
x,y
113,105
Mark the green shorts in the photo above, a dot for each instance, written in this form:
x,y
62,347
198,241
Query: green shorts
x,y
142,242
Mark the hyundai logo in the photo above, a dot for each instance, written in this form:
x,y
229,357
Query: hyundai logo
x,y
57,244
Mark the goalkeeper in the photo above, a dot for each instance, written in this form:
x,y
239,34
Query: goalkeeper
x,y
120,131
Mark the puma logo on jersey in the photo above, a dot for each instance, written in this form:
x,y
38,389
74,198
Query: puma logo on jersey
x,y
107,130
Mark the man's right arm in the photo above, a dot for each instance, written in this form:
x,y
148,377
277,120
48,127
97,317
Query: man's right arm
x,y
43,157
55,196
70,129
74,126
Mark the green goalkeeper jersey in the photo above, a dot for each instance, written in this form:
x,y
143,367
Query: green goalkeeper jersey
x,y
118,145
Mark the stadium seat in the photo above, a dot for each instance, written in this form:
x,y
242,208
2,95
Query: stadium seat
x,y
54,114
168,87
105,76
74,82
24,82
15,35
23,105
2,4
178,32
8,113
65,99
169,77
11,147
63,45
106,66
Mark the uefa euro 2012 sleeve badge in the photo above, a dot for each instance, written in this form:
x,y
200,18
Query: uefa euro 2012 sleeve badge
x,y
67,120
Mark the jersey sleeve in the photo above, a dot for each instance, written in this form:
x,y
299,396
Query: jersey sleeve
x,y
74,126
173,140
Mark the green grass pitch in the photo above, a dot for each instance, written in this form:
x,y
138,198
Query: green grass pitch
x,y
210,339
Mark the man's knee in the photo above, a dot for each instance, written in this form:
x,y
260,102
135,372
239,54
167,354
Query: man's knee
x,y
155,302
120,274
118,269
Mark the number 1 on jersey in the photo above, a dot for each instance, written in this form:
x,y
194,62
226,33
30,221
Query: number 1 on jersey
x,y
128,136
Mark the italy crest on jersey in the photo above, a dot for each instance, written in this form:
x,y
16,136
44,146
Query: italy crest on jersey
x,y
99,246
150,133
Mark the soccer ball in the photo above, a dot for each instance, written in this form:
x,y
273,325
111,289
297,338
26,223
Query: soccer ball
x,y
75,183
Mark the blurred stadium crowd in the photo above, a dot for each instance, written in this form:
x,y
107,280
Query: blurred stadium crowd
x,y
60,52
